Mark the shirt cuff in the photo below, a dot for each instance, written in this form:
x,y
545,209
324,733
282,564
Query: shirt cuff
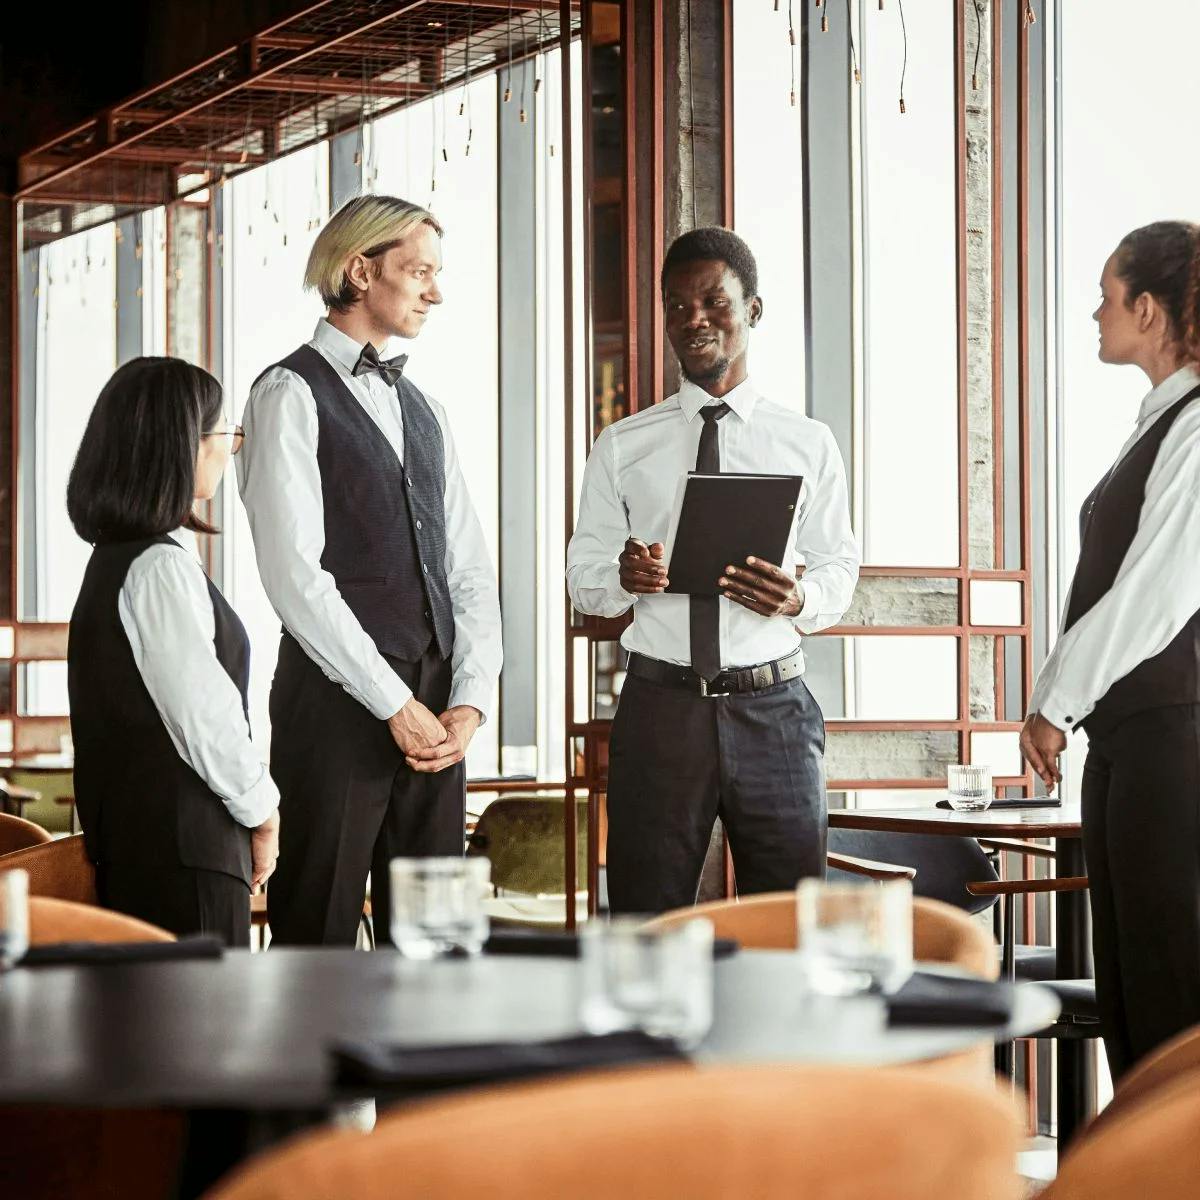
x,y
810,609
471,692
387,695
1063,714
256,804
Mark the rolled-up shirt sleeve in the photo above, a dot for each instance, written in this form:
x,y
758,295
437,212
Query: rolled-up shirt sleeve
x,y
167,616
474,595
825,543
280,484
593,575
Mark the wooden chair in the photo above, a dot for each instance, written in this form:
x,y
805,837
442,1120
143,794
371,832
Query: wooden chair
x,y
53,920
59,868
1149,1148
47,1153
941,933
762,1132
16,833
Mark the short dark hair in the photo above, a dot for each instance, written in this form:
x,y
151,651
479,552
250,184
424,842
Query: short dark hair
x,y
713,243
135,470
1163,258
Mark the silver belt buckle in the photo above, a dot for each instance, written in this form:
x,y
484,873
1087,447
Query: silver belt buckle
x,y
705,692
763,677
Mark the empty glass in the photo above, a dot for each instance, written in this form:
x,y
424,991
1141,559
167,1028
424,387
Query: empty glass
x,y
438,905
969,789
659,981
14,917
854,937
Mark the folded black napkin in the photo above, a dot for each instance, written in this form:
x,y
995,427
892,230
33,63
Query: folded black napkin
x,y
1028,802
557,944
434,1068
57,954
928,999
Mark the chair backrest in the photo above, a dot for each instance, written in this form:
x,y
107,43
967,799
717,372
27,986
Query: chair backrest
x,y
1150,1149
941,933
944,865
523,838
16,833
711,1134
53,920
1179,1056
60,868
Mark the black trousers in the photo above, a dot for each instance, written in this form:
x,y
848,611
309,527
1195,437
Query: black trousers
x,y
349,803
1141,838
182,900
678,760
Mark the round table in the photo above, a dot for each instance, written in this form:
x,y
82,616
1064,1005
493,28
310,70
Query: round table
x,y
1072,926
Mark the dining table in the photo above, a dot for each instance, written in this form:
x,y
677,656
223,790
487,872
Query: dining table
x,y
242,1042
1075,1083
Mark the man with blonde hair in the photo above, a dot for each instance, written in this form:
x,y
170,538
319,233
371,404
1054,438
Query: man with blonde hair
x,y
373,557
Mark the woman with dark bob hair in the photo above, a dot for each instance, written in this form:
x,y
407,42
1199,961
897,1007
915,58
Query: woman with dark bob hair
x,y
179,814
1126,666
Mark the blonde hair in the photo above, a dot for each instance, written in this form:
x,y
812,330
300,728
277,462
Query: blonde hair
x,y
366,225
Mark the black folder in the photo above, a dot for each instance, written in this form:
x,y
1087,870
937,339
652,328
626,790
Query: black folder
x,y
721,520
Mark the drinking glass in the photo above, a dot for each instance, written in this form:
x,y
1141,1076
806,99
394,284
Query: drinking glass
x,y
14,916
854,937
438,905
969,789
658,981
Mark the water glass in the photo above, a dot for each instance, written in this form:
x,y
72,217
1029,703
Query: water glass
x,y
657,980
969,789
854,937
438,905
14,916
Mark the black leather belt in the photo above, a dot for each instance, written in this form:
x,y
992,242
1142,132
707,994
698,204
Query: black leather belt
x,y
736,681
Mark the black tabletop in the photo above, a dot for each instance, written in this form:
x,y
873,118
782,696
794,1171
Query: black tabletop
x,y
251,1030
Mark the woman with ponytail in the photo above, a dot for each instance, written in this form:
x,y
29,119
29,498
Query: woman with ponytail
x,y
1126,667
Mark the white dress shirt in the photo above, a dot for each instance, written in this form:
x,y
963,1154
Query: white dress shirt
x,y
280,485
167,615
628,490
1157,588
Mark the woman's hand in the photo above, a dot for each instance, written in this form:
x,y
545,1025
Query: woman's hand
x,y
1042,743
264,850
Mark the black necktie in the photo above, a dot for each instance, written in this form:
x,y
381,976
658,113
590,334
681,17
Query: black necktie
x,y
388,369
705,611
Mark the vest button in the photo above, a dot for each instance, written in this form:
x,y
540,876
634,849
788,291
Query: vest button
x,y
428,615
425,568
418,524
409,481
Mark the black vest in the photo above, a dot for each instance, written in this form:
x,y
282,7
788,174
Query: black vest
x,y
385,521
138,801
1108,523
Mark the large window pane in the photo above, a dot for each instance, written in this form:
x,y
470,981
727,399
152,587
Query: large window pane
x,y
768,207
911,475
271,218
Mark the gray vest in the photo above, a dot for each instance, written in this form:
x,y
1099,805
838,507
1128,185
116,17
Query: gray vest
x,y
385,521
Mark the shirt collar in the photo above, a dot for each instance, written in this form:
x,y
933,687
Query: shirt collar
x,y
338,345
187,539
742,399
1173,388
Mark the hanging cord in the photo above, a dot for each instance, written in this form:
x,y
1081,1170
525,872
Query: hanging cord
x,y
442,84
792,51
691,108
853,48
978,44
508,40
465,100
823,5
537,58
904,65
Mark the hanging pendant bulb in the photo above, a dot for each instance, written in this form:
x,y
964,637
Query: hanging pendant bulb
x,y
1030,15
119,234
507,94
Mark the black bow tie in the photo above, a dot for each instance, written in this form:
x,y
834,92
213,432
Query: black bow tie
x,y
388,369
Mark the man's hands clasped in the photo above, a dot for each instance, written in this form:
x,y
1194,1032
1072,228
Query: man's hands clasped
x,y
431,744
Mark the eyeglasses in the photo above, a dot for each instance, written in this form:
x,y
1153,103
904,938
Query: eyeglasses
x,y
235,433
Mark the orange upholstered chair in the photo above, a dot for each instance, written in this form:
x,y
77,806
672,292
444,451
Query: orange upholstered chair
x,y
53,920
16,833
48,1153
58,868
941,932
1150,1148
1180,1056
647,1134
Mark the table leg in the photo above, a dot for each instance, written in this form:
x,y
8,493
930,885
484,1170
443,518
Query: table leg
x,y
1072,929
